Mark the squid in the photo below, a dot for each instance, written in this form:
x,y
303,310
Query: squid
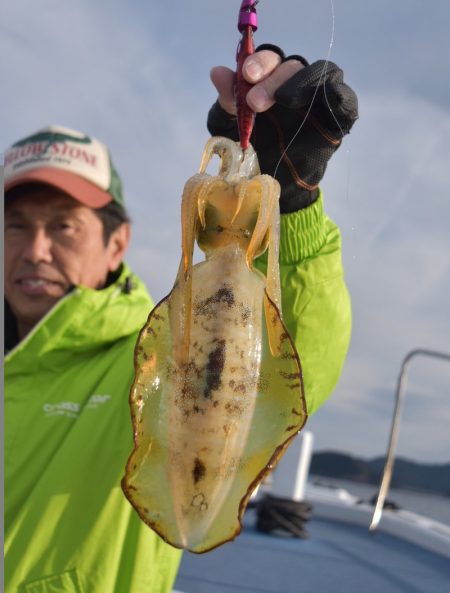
x,y
218,391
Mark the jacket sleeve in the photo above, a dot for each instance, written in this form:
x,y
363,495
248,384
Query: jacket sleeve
x,y
315,300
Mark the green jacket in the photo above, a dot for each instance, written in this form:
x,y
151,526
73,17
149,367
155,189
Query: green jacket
x,y
68,527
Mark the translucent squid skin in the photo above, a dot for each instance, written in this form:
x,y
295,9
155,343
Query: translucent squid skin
x,y
218,392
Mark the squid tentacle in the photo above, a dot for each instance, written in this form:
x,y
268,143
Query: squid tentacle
x,y
218,392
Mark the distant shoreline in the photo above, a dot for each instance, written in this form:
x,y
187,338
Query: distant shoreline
x,y
407,475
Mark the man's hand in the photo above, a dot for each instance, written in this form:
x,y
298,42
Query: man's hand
x,y
289,95
265,71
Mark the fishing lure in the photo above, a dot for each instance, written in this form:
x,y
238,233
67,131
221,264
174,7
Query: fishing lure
x,y
218,391
247,24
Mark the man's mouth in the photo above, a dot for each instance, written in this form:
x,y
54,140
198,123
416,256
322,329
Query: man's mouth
x,y
35,282
37,286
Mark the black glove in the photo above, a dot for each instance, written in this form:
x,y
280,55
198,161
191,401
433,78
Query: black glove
x,y
331,115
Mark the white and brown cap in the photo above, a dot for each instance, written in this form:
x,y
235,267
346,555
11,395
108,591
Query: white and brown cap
x,y
71,161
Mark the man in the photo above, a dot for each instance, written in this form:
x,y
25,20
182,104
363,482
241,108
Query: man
x,y
74,309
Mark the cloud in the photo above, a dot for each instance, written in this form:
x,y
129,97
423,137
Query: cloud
x,y
137,77
113,76
118,83
394,213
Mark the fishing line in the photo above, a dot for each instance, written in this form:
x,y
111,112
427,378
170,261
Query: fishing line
x,y
322,77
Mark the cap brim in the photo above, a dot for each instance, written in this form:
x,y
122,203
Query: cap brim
x,y
77,187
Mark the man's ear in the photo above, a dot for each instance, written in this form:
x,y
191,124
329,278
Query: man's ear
x,y
118,245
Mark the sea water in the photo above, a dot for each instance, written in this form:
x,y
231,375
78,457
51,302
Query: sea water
x,y
428,504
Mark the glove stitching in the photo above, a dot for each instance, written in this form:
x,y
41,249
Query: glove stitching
x,y
331,139
297,179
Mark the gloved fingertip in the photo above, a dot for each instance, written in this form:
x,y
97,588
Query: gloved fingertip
x,y
293,94
297,57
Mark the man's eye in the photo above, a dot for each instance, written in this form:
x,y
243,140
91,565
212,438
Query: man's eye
x,y
14,226
64,226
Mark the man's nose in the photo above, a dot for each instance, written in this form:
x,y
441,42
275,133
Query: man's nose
x,y
38,247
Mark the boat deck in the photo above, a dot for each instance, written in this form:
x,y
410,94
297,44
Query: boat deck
x,y
338,557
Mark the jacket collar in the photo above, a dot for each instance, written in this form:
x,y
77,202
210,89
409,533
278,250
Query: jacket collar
x,y
85,319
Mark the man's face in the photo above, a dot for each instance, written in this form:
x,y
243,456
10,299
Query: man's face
x,y
51,243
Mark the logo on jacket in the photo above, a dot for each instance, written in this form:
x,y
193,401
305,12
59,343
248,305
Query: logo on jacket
x,y
73,409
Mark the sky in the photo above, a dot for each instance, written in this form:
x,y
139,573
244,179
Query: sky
x,y
136,76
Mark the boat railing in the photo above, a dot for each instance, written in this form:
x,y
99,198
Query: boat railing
x,y
395,427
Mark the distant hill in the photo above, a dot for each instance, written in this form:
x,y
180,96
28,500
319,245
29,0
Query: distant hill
x,y
407,474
